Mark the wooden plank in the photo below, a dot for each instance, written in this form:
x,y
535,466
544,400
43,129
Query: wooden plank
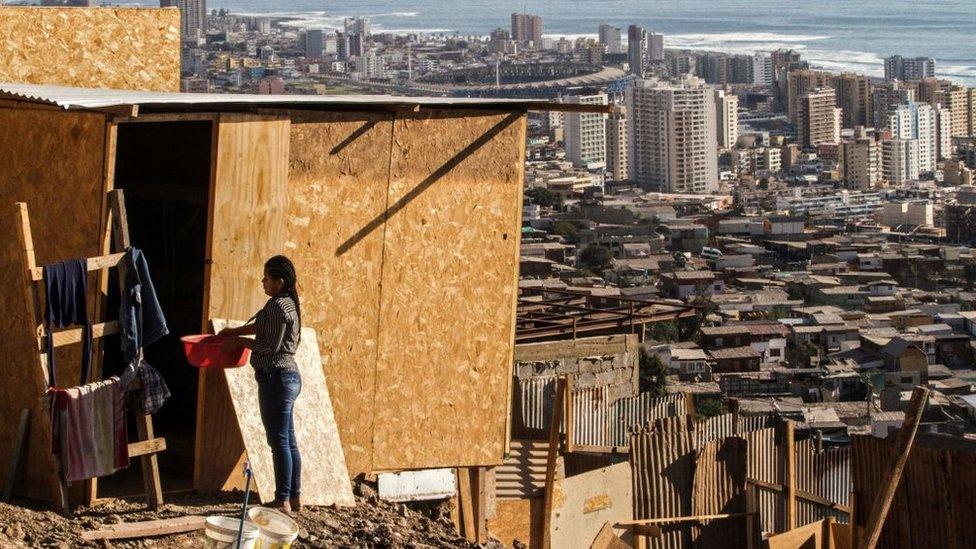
x,y
245,226
138,49
810,536
568,414
789,474
74,335
451,219
145,447
800,494
151,528
607,539
150,464
480,494
16,454
94,264
552,454
906,437
325,480
467,504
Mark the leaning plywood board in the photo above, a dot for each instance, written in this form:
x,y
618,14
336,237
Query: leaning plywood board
x,y
248,197
517,522
325,480
337,185
53,161
582,504
449,288
122,48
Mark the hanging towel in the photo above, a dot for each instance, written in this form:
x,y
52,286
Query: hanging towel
x,y
141,318
88,429
66,288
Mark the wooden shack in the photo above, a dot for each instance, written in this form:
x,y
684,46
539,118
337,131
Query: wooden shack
x,y
401,214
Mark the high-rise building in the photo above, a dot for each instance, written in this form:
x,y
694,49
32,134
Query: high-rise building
x,y
342,46
798,83
956,99
713,67
897,67
854,99
357,25
357,45
727,118
193,16
610,38
585,134
637,49
913,121
527,29
860,162
887,96
655,47
314,44
682,65
762,69
818,118
943,132
672,135
618,166
899,160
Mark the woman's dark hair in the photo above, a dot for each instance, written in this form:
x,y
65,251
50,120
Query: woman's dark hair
x,y
281,268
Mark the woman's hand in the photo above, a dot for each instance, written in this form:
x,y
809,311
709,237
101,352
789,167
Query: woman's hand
x,y
228,331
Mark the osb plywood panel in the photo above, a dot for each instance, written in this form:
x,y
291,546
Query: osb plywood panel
x,y
122,48
325,480
248,200
53,161
337,187
584,503
448,291
517,520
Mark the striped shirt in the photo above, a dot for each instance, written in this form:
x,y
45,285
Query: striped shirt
x,y
278,332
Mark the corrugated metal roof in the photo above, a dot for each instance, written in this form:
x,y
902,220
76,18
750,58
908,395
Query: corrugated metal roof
x,y
97,98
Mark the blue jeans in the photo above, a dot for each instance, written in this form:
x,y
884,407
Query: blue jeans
x,y
277,391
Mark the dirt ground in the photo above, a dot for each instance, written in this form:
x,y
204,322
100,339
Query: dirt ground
x,y
371,523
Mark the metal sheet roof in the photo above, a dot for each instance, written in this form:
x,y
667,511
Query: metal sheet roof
x,y
97,98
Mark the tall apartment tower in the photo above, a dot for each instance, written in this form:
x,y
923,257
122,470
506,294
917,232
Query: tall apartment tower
x,y
618,166
610,38
655,47
762,69
637,49
854,99
860,162
726,118
886,97
672,135
193,16
798,83
527,28
314,44
818,118
897,67
585,134
916,121
357,25
899,160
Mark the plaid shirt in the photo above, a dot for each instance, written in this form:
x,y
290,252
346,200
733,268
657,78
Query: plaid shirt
x,y
154,392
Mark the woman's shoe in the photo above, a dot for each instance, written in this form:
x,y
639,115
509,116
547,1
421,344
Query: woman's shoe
x,y
284,506
296,504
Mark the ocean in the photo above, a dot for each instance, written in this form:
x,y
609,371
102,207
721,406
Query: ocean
x,y
836,35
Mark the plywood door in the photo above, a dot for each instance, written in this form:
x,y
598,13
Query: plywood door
x,y
246,226
449,289
55,162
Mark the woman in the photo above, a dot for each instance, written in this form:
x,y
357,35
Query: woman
x,y
277,330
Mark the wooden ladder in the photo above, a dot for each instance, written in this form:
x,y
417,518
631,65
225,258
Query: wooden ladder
x,y
147,445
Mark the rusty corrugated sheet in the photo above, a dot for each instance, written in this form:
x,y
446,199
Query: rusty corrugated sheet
x,y
719,487
598,422
765,467
825,473
523,475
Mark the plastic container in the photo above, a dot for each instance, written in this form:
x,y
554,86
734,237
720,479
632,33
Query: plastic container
x,y
278,531
221,533
207,351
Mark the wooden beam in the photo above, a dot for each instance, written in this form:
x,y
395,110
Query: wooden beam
x,y
16,454
800,494
146,447
467,504
568,414
789,474
74,335
553,453
94,264
480,493
694,518
882,501
151,528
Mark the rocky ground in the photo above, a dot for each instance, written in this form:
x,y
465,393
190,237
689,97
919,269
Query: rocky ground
x,y
371,523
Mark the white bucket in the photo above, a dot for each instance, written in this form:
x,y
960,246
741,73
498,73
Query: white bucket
x,y
221,533
278,530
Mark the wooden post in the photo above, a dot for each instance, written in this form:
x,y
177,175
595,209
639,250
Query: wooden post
x,y
16,454
882,501
788,451
852,518
751,519
466,504
554,439
568,413
828,535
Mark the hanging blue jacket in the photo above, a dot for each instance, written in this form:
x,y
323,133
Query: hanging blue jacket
x,y
141,319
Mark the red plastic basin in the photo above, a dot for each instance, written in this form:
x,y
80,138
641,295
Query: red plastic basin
x,y
207,351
